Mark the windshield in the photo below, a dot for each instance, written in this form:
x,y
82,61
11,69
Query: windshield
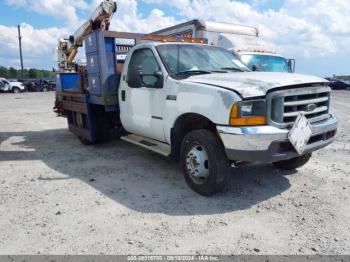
x,y
198,59
266,63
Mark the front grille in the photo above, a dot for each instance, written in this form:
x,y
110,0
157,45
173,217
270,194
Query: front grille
x,y
284,106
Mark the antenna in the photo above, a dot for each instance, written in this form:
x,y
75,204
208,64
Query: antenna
x,y
20,50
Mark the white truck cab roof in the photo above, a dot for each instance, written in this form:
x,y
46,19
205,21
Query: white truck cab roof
x,y
260,53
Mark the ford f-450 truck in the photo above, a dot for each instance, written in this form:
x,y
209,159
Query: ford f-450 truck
x,y
197,104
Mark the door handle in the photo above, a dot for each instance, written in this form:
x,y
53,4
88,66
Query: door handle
x,y
123,95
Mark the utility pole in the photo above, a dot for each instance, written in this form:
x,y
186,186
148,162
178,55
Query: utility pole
x,y
20,50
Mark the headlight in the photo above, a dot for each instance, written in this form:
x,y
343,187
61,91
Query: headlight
x,y
248,113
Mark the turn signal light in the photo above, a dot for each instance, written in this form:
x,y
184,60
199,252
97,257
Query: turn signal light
x,y
248,121
237,120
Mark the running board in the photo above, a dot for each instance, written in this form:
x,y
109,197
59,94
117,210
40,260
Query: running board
x,y
150,144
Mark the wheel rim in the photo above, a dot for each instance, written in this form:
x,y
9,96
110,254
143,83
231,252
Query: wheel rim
x,y
16,91
197,164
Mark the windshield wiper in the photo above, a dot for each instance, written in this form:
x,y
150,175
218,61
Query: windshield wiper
x,y
218,71
233,69
189,72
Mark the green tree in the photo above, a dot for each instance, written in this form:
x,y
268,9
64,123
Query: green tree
x,y
33,73
4,72
25,73
13,73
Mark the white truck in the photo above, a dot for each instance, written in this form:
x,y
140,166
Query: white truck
x,y
14,87
197,104
243,40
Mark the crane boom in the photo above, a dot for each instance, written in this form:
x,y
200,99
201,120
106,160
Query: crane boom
x,y
68,48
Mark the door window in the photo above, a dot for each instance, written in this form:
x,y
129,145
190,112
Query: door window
x,y
144,60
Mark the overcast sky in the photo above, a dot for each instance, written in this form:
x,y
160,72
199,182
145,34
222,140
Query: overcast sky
x,y
314,32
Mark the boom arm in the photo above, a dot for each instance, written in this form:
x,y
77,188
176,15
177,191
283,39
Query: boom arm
x,y
67,49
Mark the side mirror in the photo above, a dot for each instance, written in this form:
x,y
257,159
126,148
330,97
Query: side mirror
x,y
160,79
134,78
291,64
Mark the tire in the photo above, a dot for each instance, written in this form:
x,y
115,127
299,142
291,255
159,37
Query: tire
x,y
16,90
293,163
204,162
45,89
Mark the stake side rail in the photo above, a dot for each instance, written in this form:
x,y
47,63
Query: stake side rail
x,y
151,37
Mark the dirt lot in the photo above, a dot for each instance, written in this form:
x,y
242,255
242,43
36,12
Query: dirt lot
x,y
60,197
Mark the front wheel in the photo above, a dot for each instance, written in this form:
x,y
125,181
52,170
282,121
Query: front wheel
x,y
293,163
204,162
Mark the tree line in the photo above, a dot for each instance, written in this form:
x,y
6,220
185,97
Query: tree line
x,y
13,73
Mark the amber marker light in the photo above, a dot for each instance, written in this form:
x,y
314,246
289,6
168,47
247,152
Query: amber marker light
x,y
237,120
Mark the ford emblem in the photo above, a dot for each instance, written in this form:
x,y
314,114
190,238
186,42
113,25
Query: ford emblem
x,y
311,107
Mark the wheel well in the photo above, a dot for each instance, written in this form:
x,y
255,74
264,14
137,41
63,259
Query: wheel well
x,y
185,124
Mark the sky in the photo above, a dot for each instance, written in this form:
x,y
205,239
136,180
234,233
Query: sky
x,y
314,32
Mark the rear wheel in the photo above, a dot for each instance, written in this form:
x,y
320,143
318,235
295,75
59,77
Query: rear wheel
x,y
204,162
85,141
293,163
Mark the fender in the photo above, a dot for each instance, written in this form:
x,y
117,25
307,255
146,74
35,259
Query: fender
x,y
212,102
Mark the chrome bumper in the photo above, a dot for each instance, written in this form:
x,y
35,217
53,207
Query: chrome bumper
x,y
269,144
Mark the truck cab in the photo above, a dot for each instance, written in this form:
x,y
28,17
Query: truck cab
x,y
154,81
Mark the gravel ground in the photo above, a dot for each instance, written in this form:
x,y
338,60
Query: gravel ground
x,y
60,197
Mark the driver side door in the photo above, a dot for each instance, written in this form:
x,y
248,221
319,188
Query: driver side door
x,y
142,108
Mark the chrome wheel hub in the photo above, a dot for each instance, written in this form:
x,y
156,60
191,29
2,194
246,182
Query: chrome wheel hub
x,y
197,163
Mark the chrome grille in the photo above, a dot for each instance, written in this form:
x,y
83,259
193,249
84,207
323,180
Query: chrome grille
x,y
285,105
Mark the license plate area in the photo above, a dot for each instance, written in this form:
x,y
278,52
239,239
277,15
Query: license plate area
x,y
300,133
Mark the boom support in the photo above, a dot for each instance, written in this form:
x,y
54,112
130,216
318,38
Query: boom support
x,y
100,19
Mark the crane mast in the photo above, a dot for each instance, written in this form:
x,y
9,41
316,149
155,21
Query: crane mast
x,y
100,20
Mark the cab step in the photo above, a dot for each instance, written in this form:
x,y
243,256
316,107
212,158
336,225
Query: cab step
x,y
150,144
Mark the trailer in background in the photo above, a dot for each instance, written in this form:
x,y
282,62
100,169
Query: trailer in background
x,y
243,40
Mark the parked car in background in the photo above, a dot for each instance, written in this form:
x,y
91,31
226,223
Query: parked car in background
x,y
29,84
338,84
45,85
13,86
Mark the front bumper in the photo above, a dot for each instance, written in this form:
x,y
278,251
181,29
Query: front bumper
x,y
267,144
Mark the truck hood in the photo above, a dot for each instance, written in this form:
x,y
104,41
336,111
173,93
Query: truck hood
x,y
253,84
